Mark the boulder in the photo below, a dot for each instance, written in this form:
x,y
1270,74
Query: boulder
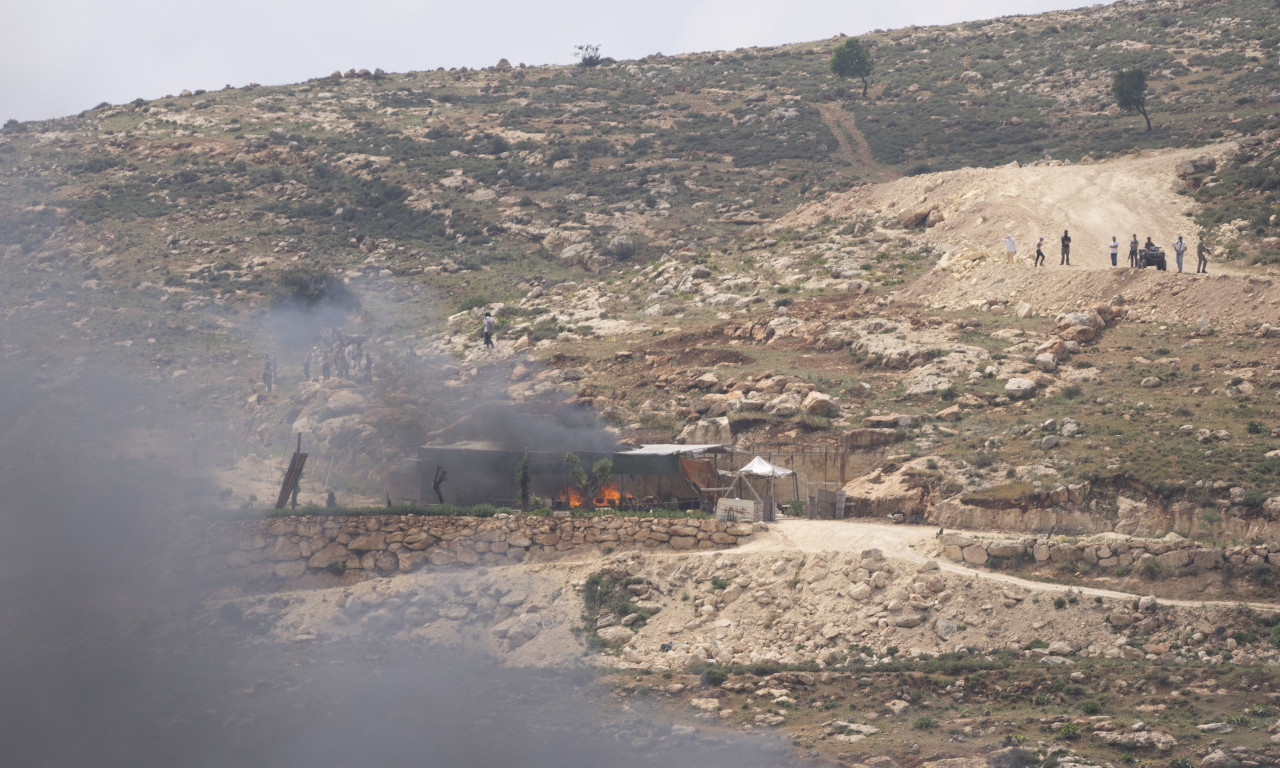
x,y
870,437
1137,739
950,413
614,635
916,217
1019,388
707,432
784,405
819,404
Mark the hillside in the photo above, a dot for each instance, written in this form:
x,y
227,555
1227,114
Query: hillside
x,y
1067,478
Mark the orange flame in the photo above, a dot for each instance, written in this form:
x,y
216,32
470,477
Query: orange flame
x,y
609,496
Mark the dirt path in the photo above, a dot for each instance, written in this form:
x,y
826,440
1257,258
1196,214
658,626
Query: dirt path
x,y
914,543
1133,194
854,148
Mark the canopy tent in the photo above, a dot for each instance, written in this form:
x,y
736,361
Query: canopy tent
x,y
759,467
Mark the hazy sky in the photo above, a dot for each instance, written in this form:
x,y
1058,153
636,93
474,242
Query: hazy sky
x,y
58,57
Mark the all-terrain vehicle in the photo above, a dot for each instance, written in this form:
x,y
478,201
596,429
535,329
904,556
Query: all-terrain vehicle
x,y
1152,257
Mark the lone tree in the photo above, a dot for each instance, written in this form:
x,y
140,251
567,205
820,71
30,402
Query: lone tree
x,y
1130,89
853,59
588,55
588,485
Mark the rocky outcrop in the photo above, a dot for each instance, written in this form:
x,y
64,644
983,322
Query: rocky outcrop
x,y
1168,555
880,495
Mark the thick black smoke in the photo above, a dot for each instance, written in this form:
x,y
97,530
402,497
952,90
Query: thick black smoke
x,y
112,657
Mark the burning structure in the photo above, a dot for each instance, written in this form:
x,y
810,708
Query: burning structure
x,y
481,472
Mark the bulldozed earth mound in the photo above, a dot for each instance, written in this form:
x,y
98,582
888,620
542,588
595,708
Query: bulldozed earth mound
x,y
972,209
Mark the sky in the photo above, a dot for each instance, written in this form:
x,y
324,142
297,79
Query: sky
x,y
59,57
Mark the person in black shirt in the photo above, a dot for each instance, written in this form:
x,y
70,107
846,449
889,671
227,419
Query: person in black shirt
x,y
1066,248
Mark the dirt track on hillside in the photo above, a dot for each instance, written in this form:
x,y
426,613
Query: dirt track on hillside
x,y
914,544
1135,194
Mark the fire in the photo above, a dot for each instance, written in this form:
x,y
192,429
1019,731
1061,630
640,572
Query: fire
x,y
609,496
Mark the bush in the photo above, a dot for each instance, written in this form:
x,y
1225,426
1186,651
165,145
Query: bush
x,y
1091,708
1068,732
924,723
712,677
312,288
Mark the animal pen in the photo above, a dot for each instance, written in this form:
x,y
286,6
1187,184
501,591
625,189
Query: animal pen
x,y
673,476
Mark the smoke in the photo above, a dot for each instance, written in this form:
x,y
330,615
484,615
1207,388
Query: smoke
x,y
113,655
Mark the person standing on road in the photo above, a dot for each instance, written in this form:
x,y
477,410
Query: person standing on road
x,y
1114,245
1066,248
1039,262
1202,258
1133,251
488,330
1179,248
1010,248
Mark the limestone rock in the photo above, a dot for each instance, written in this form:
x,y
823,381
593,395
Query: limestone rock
x,y
614,635
707,432
1019,388
819,404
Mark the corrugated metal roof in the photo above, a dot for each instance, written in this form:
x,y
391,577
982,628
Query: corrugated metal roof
x,y
675,449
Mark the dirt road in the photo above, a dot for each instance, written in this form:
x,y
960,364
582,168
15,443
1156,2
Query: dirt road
x,y
1134,194
913,543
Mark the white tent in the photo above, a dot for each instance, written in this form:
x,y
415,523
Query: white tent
x,y
758,467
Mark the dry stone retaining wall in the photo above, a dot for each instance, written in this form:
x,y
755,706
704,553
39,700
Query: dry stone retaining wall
x,y
1173,555
289,548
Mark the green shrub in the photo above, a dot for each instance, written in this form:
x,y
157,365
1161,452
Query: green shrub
x,y
924,723
1068,732
1091,708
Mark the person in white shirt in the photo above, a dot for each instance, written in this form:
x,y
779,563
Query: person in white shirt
x,y
1114,245
1010,250
488,330
1179,248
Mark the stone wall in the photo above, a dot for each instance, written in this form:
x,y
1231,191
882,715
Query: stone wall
x,y
288,549
1168,555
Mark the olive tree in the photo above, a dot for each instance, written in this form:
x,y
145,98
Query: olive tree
x,y
853,59
1129,86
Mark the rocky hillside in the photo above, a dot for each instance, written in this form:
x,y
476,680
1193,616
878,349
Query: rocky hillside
x,y
712,235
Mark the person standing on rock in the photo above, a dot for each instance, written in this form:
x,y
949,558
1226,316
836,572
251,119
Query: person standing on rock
x,y
1202,258
488,330
1039,262
1114,245
1179,248
1133,251
1066,248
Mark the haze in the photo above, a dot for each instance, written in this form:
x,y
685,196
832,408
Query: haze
x,y
64,56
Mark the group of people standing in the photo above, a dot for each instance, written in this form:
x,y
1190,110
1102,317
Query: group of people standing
x,y
1011,249
1179,249
338,356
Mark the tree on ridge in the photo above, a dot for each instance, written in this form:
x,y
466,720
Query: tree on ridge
x,y
853,59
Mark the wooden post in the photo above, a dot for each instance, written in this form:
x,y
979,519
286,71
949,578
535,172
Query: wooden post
x,y
289,488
